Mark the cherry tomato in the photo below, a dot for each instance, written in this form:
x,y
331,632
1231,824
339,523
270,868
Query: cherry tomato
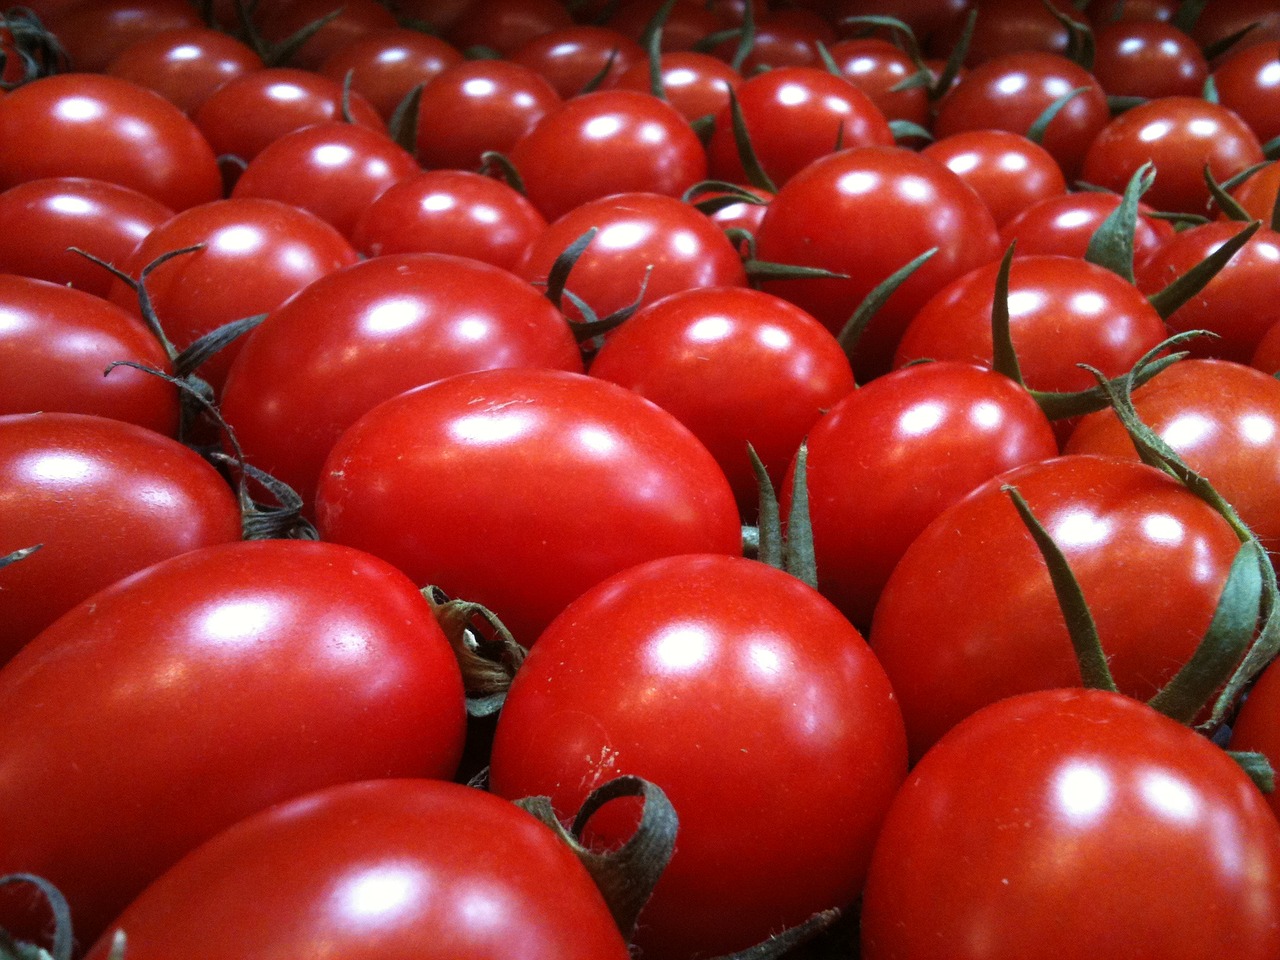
x,y
570,58
504,26
1219,21
1123,527
1074,823
105,128
609,142
1008,171
45,218
904,205
696,84
797,697
1248,82
744,215
735,366
1267,356
184,65
93,34
550,482
1257,194
354,20
256,254
210,686
878,69
1065,224
106,499
1181,136
1256,725
688,23
386,64
1150,59
386,869
784,37
888,458
365,333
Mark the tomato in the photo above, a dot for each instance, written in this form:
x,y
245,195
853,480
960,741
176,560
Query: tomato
x,y
785,37
744,215
1008,171
878,68
256,254
44,218
735,366
1181,136
185,64
609,142
647,244
250,111
687,24
1123,527
1257,194
450,211
795,115
1248,82
1219,21
550,482
696,84
506,25
386,869
797,698
1065,224
207,687
368,332
904,205
55,346
93,34
354,20
572,57
334,170
1150,59
477,106
105,128
1238,305
1223,419
105,498
1012,90
1074,823
888,458
924,17
1258,722
386,64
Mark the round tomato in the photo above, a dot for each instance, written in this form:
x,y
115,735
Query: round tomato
x,y
880,69
176,702
1257,725
93,34
1065,224
696,84
184,65
1008,171
520,489
1248,82
1074,823
791,779
386,64
353,20
1148,59
570,58
504,26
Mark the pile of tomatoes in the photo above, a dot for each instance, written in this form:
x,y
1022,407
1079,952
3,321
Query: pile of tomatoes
x,y
411,408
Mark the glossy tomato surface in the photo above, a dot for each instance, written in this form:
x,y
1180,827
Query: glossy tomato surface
x,y
179,701
386,64
789,780
184,64
1257,725
696,84
1074,823
378,870
1065,224
1009,171
580,56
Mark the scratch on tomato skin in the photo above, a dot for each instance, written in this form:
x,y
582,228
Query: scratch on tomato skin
x,y
600,768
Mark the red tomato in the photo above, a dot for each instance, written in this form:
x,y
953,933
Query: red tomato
x,y
386,869
890,457
93,34
1219,21
55,346
599,144
1257,724
744,215
208,687
795,115
572,57
798,699
353,20
256,254
184,65
550,481
696,84
878,68
1009,26
106,499
1065,224
784,37
1075,823
1248,82
44,218
1223,419
1181,136
969,615
688,23
1008,171
477,106
1147,58
735,366
105,128
332,169
386,64
1257,194
904,205
506,25
646,243
363,334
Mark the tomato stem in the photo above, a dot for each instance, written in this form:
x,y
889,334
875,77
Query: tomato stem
x,y
63,940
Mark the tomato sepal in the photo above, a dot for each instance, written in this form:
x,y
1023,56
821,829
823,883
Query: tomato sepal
x,y
487,653
62,943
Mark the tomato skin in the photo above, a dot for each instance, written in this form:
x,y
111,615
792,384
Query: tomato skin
x,y
1258,192
44,218
93,34
386,64
904,204
1257,724
1123,527
796,696
184,65
1065,224
1074,823
1008,171
891,456
572,57
696,84
363,334
876,67
1248,82
286,666
688,23
550,482
506,25
476,876
356,19
735,366
1148,59
105,498
105,128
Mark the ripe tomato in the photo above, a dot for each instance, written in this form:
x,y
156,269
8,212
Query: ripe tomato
x,y
1257,724
1065,224
93,34
386,869
1123,526
105,498
1074,823
784,37
878,68
506,25
1248,82
572,57
184,65
210,686
798,698
1149,59
1008,171
365,333
105,128
542,483
1257,194
688,22
696,84
354,20
386,64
